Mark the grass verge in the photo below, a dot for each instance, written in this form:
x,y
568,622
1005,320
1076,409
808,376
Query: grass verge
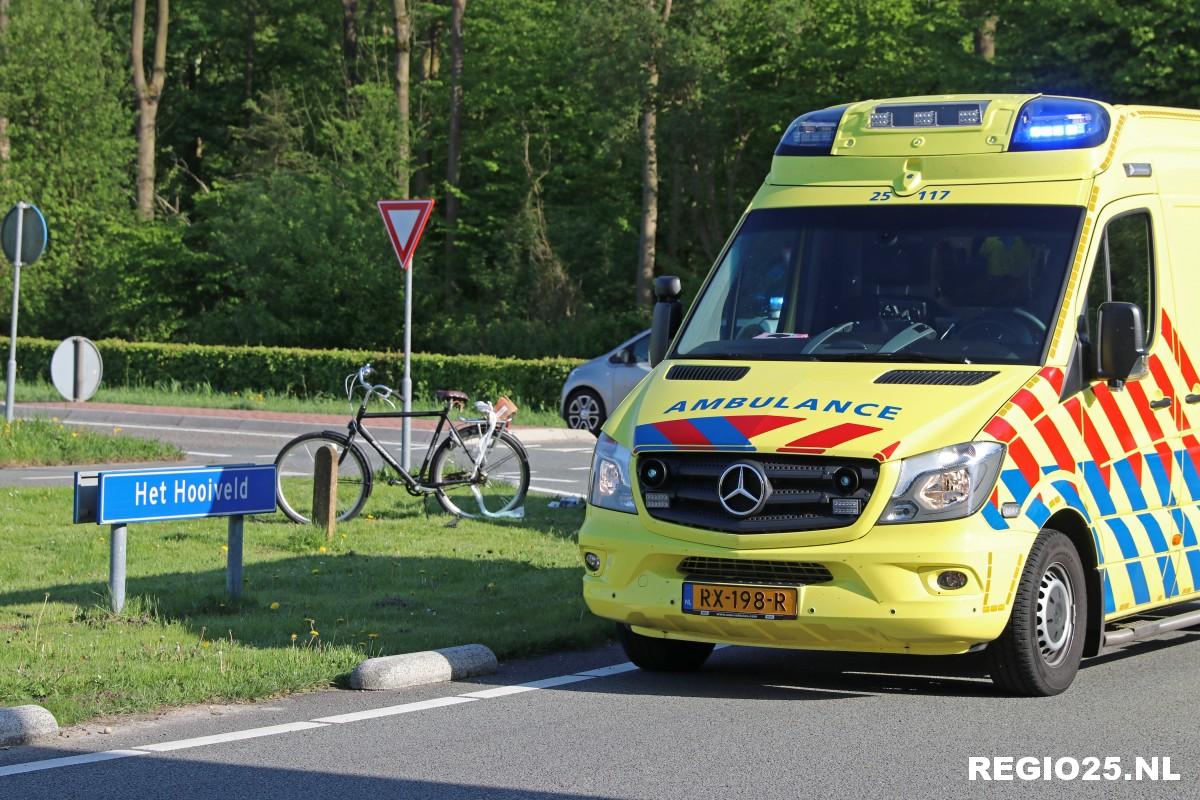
x,y
45,442
392,582
248,399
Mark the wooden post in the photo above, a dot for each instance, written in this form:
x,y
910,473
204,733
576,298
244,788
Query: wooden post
x,y
325,479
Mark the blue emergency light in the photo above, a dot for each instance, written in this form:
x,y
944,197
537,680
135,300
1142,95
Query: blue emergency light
x,y
811,134
1059,123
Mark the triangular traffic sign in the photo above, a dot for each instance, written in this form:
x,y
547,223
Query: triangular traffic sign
x,y
405,221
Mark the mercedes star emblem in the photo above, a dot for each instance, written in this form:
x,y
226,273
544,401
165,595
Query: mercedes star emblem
x,y
743,489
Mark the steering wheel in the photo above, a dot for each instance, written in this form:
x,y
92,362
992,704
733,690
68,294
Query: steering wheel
x,y
1004,326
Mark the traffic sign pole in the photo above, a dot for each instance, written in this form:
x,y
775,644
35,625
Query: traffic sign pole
x,y
406,381
116,566
405,221
11,385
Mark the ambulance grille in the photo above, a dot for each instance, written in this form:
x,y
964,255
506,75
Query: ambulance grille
x,y
936,377
803,491
772,573
700,372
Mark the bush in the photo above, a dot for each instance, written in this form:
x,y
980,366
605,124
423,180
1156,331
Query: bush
x,y
305,373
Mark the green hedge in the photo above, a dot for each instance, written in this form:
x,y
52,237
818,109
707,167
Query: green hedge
x,y
304,373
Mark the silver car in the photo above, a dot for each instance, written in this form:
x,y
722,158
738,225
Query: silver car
x,y
594,388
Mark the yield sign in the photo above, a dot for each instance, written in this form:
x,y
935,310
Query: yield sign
x,y
405,221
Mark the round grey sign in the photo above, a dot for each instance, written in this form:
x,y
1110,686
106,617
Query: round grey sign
x,y
76,368
24,221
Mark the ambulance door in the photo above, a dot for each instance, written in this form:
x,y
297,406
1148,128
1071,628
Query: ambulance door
x,y
1136,422
1181,218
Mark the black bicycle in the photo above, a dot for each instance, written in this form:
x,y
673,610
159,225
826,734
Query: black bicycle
x,y
477,469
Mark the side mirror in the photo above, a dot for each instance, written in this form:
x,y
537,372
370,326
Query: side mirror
x,y
1120,345
622,356
668,315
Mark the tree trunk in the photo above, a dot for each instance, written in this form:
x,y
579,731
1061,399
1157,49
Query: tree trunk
x,y
649,125
148,95
454,135
350,40
402,29
985,37
251,49
428,65
5,151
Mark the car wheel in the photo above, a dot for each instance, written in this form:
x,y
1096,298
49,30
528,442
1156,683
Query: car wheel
x,y
662,655
1039,652
585,411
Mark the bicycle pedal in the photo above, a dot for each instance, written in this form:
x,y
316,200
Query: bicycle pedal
x,y
393,482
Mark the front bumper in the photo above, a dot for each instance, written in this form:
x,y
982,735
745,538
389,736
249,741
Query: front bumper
x,y
883,596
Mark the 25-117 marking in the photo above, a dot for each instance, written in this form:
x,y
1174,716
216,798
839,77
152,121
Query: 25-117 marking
x,y
932,195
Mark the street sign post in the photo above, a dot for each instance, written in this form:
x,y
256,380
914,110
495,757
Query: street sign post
x,y
76,368
23,237
120,497
405,221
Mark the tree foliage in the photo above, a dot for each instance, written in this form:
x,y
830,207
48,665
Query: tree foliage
x,y
275,139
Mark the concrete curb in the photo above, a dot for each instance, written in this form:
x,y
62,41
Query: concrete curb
x,y
24,724
429,666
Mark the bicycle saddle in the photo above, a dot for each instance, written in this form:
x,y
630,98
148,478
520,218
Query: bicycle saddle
x,y
453,395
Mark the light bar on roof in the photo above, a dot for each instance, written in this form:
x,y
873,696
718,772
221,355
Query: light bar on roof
x,y
811,134
928,115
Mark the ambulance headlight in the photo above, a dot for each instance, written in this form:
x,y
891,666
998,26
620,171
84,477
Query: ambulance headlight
x,y
611,487
950,483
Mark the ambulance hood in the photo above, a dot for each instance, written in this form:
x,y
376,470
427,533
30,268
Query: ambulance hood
x,y
874,410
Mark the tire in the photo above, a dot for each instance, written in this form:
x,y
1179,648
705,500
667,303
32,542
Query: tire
x,y
294,476
662,655
506,468
1038,653
584,411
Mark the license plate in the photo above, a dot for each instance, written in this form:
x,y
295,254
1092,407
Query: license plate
x,y
747,602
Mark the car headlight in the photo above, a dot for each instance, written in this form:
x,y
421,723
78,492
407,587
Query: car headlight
x,y
611,487
950,483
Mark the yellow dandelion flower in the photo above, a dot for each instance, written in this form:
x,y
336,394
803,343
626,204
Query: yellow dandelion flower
x,y
343,536
322,549
206,644
293,637
224,548
316,572
369,516
372,635
314,632
116,430
74,435
275,606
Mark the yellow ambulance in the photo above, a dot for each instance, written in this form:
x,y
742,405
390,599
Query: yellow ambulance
x,y
939,394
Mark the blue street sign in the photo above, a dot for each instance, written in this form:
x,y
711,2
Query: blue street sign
x,y
185,493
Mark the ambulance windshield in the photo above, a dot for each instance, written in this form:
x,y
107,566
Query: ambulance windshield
x,y
938,283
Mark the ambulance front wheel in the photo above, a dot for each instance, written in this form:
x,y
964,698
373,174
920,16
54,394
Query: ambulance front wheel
x,y
1039,651
662,655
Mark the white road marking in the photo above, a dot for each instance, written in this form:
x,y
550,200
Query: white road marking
x,y
180,428
321,722
233,736
45,477
389,711
208,455
551,490
555,480
69,761
577,469
569,449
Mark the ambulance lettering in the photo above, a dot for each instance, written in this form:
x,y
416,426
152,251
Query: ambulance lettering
x,y
845,407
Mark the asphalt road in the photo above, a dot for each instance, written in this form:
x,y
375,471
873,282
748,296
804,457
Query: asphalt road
x,y
559,458
752,724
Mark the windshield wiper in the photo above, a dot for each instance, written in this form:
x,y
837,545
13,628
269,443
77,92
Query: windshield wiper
x,y
920,358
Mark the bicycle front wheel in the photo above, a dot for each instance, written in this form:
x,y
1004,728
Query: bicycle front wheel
x,y
502,486
295,476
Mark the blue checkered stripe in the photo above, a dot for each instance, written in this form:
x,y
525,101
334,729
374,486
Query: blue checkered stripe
x,y
1132,523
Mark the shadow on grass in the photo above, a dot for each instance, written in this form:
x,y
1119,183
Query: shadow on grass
x,y
379,604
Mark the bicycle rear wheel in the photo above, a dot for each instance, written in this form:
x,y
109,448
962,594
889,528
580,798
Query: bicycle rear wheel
x,y
505,479
295,468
